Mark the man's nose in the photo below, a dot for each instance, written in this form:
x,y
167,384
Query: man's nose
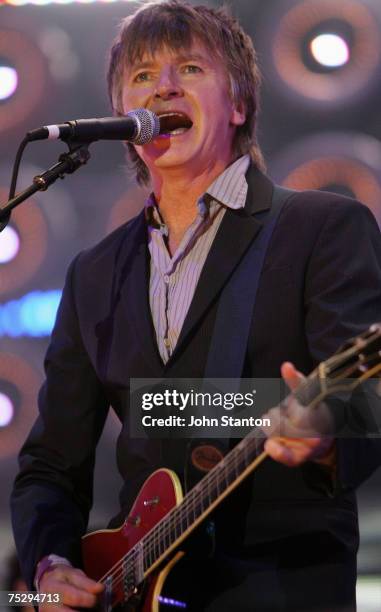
x,y
168,85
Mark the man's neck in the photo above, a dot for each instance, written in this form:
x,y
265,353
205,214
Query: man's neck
x,y
177,193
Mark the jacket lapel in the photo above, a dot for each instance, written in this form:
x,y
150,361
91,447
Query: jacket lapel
x,y
135,292
236,233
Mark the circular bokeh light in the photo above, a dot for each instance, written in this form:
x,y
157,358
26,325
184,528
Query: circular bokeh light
x,y
346,163
330,50
343,45
6,410
32,229
8,82
9,244
25,69
19,384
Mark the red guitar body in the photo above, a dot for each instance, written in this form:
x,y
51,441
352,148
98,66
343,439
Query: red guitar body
x,y
102,550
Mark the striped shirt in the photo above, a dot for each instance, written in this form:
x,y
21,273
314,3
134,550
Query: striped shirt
x,y
173,280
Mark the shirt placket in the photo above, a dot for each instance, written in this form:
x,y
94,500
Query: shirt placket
x,y
170,272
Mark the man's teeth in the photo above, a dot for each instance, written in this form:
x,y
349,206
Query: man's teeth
x,y
178,131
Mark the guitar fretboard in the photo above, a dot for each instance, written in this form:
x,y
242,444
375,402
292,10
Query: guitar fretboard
x,y
199,500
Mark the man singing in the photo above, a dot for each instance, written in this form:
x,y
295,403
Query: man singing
x,y
145,303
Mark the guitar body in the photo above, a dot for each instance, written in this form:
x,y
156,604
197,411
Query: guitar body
x,y
104,549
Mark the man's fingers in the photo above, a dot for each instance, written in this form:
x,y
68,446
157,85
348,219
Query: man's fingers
x,y
71,595
277,451
297,433
70,598
79,579
291,456
75,588
292,451
292,422
77,598
291,376
70,575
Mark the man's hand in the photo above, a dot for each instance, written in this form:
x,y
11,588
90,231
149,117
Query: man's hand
x,y
298,434
75,588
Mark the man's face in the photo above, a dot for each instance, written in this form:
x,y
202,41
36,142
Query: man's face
x,y
194,86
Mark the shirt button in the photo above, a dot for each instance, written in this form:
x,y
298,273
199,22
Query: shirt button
x,y
167,344
166,278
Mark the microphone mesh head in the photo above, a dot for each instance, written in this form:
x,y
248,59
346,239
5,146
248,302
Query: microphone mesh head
x,y
149,125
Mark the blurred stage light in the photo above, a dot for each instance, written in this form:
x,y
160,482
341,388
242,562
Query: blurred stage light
x,y
30,224
348,164
19,382
126,207
64,63
8,82
31,315
6,410
368,593
27,61
9,244
344,176
327,52
330,50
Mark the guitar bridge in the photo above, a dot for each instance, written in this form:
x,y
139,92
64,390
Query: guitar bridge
x,y
133,571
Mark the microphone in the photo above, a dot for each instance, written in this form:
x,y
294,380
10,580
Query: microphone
x,y
138,126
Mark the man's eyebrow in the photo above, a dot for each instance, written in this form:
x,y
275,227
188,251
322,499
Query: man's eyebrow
x,y
140,65
183,57
192,57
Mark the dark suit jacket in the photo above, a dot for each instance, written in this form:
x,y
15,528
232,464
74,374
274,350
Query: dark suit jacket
x,y
320,284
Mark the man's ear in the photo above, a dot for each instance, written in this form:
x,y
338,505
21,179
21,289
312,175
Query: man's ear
x,y
238,116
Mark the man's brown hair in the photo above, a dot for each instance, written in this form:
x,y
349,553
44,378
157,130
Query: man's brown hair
x,y
175,24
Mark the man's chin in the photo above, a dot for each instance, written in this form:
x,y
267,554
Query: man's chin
x,y
169,158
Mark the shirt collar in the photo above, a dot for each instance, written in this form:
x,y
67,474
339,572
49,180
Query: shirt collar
x,y
229,188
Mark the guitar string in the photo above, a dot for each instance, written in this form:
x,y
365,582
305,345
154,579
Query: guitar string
x,y
131,568
119,577
166,527
189,503
189,499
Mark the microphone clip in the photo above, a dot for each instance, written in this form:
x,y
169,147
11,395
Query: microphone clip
x,y
77,156
68,163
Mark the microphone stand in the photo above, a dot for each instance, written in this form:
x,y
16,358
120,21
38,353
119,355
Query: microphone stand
x,y
68,163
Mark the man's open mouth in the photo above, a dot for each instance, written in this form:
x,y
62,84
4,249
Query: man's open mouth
x,y
173,123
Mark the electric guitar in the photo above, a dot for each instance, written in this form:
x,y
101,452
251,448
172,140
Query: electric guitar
x,y
134,562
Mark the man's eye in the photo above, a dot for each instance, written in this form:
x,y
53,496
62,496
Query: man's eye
x,y
141,77
191,68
